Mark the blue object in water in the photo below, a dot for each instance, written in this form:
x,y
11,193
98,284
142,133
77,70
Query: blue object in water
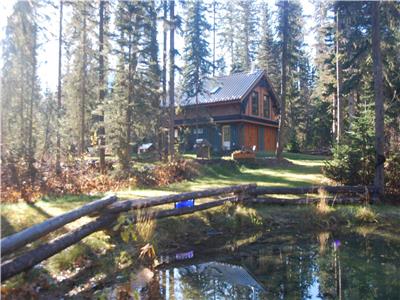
x,y
184,203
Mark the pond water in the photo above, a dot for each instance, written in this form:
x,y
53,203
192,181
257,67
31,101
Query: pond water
x,y
325,265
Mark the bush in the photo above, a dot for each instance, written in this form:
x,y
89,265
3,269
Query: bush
x,y
166,173
392,174
293,144
354,159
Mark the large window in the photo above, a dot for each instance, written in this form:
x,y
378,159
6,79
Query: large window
x,y
267,106
254,103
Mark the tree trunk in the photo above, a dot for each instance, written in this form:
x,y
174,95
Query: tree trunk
x,y
214,31
379,109
101,130
58,142
334,116
172,81
164,139
31,150
339,98
127,150
352,108
83,82
282,120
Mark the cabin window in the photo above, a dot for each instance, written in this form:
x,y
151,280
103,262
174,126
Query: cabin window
x,y
226,137
254,103
267,106
198,130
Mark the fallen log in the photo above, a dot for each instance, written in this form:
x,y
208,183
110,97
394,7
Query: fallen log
x,y
181,211
310,190
300,201
19,239
154,201
27,260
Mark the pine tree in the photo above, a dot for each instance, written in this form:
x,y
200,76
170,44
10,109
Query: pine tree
x,y
196,53
247,35
267,50
227,30
20,89
134,107
378,92
81,79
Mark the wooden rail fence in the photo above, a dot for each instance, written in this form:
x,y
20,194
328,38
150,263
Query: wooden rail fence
x,y
106,211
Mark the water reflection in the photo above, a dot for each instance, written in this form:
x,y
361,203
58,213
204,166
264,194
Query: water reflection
x,y
211,280
322,266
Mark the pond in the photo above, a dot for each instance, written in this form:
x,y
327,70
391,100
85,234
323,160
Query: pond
x,y
325,265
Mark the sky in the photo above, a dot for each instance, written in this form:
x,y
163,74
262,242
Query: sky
x,y
48,52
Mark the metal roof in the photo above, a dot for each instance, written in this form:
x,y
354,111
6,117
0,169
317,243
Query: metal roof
x,y
225,88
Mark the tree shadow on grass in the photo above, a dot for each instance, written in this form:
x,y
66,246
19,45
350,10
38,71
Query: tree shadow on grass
x,y
6,227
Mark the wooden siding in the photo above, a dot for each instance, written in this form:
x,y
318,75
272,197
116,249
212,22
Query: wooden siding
x,y
207,111
270,138
264,137
261,92
250,135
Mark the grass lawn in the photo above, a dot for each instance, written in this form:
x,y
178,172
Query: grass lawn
x,y
102,257
306,170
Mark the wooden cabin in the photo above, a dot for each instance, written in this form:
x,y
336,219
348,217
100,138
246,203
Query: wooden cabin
x,y
236,111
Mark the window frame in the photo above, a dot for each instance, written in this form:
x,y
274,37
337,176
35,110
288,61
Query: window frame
x,y
267,98
255,96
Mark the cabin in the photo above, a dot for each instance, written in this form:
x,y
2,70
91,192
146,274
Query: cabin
x,y
235,112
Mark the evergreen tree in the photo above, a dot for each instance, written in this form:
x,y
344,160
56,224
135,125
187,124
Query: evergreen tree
x,y
227,30
247,36
196,53
295,75
81,79
20,89
267,50
134,106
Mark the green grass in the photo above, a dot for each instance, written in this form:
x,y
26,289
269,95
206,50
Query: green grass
x,y
105,254
304,170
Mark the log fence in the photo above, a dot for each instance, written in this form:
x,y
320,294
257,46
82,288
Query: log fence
x,y
107,210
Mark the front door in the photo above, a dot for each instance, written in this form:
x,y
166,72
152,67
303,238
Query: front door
x,y
226,137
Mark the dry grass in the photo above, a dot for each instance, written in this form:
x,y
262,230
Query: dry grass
x,y
366,214
322,207
145,227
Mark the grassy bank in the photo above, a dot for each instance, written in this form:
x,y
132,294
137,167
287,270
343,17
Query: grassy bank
x,y
104,257
304,170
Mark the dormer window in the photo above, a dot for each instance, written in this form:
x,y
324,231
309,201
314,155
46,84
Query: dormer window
x,y
254,103
215,90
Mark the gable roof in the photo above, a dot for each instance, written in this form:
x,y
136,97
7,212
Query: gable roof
x,y
232,87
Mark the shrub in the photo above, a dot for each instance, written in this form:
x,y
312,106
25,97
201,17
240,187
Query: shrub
x,y
354,159
167,173
392,174
366,215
